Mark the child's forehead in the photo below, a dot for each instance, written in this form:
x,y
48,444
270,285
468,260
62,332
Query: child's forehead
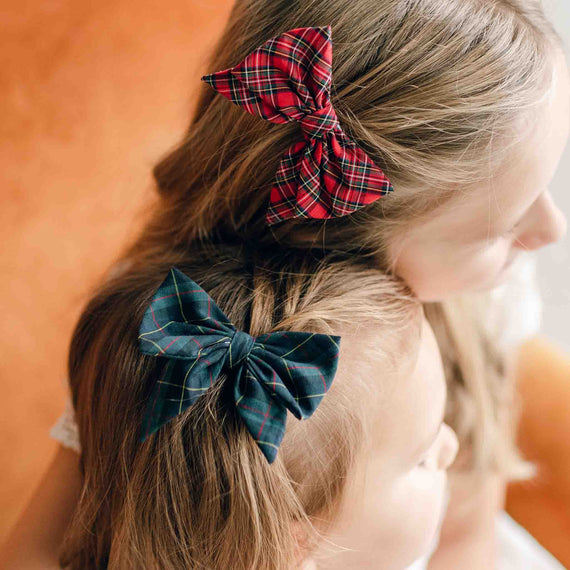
x,y
407,401
382,358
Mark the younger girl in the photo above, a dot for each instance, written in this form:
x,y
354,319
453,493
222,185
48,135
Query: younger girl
x,y
360,484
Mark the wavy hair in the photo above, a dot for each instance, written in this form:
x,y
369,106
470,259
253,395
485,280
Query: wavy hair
x,y
199,493
436,93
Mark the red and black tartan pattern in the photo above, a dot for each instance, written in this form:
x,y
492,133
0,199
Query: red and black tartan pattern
x,y
270,374
289,79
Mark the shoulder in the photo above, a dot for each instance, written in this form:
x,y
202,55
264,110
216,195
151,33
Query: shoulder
x,y
519,302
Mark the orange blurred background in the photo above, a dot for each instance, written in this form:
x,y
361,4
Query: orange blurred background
x,y
92,95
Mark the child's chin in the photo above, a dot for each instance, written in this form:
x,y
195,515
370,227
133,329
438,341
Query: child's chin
x,y
503,275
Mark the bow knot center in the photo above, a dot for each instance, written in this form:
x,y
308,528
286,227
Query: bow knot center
x,y
320,122
241,345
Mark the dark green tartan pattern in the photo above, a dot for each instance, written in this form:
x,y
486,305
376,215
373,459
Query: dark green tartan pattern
x,y
271,374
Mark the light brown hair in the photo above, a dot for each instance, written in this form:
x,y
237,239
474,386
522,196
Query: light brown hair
x,y
436,92
199,493
432,90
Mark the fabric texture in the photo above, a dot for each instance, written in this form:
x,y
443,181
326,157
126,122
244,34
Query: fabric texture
x,y
289,79
270,374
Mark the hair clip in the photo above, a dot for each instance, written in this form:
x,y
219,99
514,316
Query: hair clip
x,y
289,78
271,374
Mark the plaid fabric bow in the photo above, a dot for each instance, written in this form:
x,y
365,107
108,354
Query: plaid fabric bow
x,y
288,79
271,374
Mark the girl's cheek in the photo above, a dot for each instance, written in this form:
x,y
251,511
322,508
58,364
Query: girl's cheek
x,y
487,263
427,492
435,273
427,479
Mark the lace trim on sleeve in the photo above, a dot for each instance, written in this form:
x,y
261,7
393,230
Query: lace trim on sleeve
x,y
65,429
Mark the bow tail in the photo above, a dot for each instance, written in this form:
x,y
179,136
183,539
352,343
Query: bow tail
x,y
180,384
349,176
296,191
264,417
325,177
311,201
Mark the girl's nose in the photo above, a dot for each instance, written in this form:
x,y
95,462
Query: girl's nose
x,y
544,224
449,447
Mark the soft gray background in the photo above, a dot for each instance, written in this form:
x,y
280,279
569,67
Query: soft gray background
x,y
554,261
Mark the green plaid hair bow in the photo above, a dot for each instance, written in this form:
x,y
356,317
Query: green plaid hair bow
x,y
271,373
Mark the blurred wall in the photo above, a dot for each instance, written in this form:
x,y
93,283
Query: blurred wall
x,y
92,93
542,504
554,261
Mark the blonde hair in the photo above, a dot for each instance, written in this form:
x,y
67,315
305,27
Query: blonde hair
x,y
199,493
436,93
433,91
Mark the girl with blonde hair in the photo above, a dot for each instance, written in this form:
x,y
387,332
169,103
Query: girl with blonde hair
x,y
422,144
205,489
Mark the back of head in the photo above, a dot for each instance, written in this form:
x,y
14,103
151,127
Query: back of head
x,y
199,493
435,93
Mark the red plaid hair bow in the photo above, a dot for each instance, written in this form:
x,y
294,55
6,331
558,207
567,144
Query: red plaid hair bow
x,y
288,79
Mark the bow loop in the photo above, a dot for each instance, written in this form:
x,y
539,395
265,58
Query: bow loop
x,y
271,374
286,78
